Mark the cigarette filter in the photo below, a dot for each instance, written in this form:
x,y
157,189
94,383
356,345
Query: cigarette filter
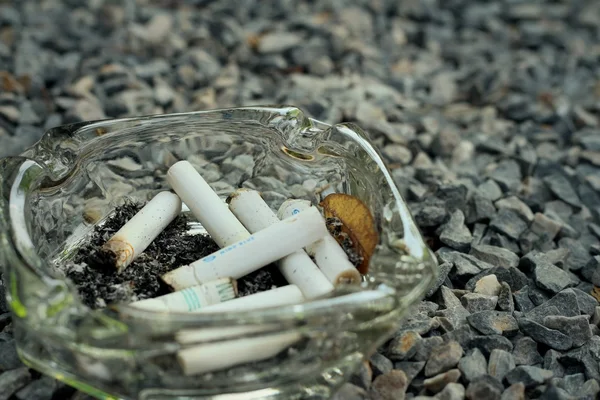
x,y
137,234
297,268
205,204
328,254
218,356
193,298
281,296
263,247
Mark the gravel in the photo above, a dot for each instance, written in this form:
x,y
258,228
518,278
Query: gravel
x,y
486,112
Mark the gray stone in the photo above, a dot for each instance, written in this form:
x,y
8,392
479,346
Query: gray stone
x,y
41,389
443,357
560,186
541,334
398,153
551,278
563,303
515,391
476,302
488,343
525,352
523,302
479,208
438,382
277,42
515,204
349,391
513,276
488,285
577,328
552,363
473,364
578,254
501,362
505,298
454,311
509,222
590,388
455,233
443,270
543,225
380,364
508,175
495,256
13,380
465,265
529,376
490,190
390,386
426,346
572,383
551,392
494,322
410,368
9,359
484,387
363,377
452,391
430,215
404,346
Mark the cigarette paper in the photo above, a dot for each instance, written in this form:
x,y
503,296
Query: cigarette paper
x,y
137,234
262,248
328,254
205,204
297,268
217,356
193,298
281,296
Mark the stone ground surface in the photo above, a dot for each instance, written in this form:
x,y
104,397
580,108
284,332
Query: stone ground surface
x,y
487,112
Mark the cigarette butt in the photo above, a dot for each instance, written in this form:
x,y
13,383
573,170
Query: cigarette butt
x,y
218,356
281,296
193,336
193,298
328,254
205,204
260,249
297,268
137,234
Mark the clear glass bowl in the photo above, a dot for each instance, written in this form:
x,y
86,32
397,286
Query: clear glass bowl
x,y
77,174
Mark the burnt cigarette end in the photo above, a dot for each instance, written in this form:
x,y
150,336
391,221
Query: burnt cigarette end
x,y
122,252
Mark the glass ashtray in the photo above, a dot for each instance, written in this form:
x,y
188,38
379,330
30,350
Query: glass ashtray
x,y
54,193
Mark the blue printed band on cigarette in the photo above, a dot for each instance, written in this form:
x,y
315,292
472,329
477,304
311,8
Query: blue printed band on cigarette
x,y
248,255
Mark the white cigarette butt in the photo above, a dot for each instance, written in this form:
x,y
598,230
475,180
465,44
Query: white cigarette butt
x,y
217,356
281,296
137,234
193,298
260,249
328,254
205,204
297,268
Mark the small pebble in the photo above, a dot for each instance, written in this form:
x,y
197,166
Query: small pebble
x,y
501,362
476,302
390,386
484,387
443,357
577,328
515,391
541,334
438,382
473,364
452,391
528,376
505,298
495,255
525,352
488,285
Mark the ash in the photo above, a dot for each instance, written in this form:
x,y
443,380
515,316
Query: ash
x,y
93,273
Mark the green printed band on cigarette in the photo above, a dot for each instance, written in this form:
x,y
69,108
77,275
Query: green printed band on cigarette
x,y
136,235
328,254
193,298
260,249
297,268
212,212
